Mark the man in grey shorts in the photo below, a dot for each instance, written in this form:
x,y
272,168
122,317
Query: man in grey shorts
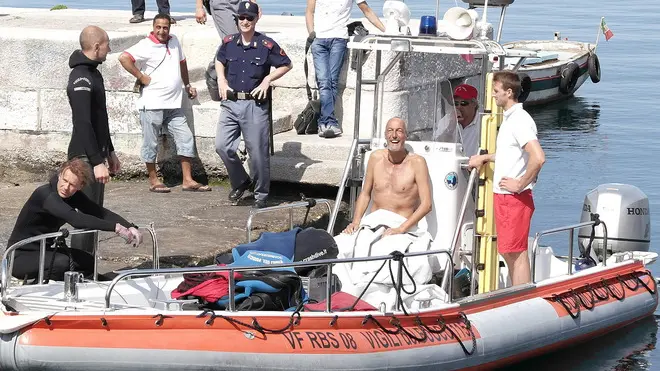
x,y
159,64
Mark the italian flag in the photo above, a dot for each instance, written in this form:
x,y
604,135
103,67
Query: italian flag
x,y
606,30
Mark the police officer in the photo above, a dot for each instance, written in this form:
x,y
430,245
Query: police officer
x,y
243,64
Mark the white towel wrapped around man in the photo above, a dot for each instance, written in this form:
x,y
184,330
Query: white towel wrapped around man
x,y
369,241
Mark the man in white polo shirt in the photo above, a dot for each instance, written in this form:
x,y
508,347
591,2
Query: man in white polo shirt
x,y
518,161
159,64
326,24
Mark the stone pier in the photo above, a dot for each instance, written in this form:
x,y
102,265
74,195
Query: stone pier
x,y
35,118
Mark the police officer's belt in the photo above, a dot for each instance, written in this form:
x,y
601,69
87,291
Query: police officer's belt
x,y
239,95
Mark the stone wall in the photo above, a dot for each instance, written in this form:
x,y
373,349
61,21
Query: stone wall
x,y
35,118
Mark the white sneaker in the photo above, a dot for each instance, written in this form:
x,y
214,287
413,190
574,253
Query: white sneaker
x,y
332,131
321,130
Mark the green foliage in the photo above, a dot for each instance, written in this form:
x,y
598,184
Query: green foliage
x,y
58,7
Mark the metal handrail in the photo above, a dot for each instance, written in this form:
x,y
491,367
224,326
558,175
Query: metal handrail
x,y
6,267
310,202
232,270
571,229
342,185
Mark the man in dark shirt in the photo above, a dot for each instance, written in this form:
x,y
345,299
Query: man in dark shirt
x,y
243,66
51,206
90,137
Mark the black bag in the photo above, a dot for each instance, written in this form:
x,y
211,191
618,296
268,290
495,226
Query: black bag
x,y
207,5
308,120
289,292
357,29
314,244
212,81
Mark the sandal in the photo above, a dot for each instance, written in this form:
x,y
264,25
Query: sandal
x,y
159,188
197,188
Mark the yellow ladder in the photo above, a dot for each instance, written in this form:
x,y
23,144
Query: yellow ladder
x,y
488,267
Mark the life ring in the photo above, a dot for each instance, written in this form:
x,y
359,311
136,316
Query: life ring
x,y
526,87
594,68
569,78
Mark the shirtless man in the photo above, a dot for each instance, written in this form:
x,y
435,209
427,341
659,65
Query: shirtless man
x,y
399,181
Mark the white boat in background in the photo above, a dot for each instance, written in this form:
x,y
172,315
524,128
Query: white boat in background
x,y
557,71
560,68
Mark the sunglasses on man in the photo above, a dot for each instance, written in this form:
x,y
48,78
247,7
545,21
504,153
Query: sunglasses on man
x,y
244,17
461,103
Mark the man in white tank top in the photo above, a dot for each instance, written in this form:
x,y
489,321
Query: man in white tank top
x,y
519,160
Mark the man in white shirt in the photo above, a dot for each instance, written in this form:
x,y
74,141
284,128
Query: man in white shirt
x,y
465,101
326,24
519,160
159,64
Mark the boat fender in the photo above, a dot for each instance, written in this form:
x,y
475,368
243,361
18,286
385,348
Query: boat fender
x,y
594,68
569,77
526,87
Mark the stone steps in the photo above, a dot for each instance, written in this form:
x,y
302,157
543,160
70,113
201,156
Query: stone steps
x,y
290,144
309,158
288,169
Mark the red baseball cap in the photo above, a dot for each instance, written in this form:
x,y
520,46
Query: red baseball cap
x,y
466,92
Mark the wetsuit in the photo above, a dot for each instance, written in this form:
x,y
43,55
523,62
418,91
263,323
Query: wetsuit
x,y
46,212
90,137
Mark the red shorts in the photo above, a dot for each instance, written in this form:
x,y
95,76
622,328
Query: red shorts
x,y
513,214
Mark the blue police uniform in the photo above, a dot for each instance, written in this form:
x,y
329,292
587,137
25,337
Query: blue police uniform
x,y
246,66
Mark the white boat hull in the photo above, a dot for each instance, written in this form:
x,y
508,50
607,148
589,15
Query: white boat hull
x,y
546,76
509,326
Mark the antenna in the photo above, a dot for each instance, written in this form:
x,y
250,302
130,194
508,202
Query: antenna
x,y
484,29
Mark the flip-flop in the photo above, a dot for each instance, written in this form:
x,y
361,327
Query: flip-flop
x,y
159,188
197,188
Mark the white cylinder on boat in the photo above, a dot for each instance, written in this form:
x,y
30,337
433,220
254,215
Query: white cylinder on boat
x,y
625,211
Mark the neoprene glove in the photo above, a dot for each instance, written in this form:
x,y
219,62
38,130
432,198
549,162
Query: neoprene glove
x,y
137,236
124,233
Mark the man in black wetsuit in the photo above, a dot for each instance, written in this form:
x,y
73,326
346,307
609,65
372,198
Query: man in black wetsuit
x,y
90,137
51,206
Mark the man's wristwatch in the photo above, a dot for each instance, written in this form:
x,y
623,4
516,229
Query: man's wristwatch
x,y
188,86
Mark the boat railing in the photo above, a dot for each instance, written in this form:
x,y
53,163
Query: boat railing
x,y
327,262
307,203
571,236
7,264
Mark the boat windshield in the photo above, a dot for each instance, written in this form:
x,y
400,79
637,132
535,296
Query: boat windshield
x,y
428,110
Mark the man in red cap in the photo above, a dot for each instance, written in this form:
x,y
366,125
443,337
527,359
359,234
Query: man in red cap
x,y
465,101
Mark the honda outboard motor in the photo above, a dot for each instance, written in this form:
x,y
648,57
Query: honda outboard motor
x,y
624,209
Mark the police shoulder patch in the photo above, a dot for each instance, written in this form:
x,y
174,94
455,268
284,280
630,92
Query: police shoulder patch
x,y
268,44
228,38
282,53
